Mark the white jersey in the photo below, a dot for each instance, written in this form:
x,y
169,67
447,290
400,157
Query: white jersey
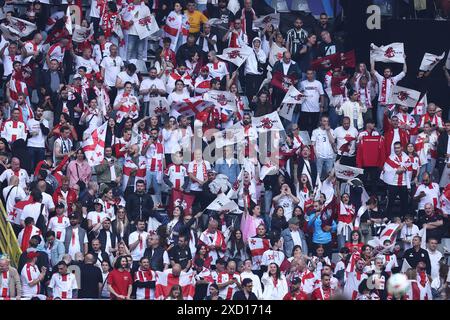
x,y
138,252
34,126
29,274
63,285
11,194
14,130
89,64
322,144
21,174
272,256
432,195
392,164
386,85
346,141
218,70
58,224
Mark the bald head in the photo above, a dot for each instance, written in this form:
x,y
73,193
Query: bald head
x,y
176,270
14,181
89,259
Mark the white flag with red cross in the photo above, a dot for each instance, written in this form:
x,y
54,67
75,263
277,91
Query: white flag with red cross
x,y
404,96
94,145
346,172
158,106
257,248
222,99
236,56
393,52
21,27
421,106
165,282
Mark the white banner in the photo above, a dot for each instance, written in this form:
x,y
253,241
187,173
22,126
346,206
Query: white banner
x,y
145,26
404,96
81,34
293,96
268,122
393,52
429,61
158,106
223,99
447,63
236,56
346,172
273,18
222,203
421,107
287,110
94,145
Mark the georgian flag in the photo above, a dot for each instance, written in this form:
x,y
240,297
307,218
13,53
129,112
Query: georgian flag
x,y
81,34
293,96
404,96
158,106
445,200
393,52
223,203
268,122
165,281
257,248
421,106
429,61
223,99
236,56
346,172
21,27
191,106
230,136
94,145
273,18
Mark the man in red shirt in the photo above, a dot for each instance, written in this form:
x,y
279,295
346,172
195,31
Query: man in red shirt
x,y
296,293
120,281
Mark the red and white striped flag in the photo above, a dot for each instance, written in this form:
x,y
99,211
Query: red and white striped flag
x,y
405,96
421,106
257,248
165,281
393,52
236,56
191,106
94,145
129,166
429,61
268,122
388,233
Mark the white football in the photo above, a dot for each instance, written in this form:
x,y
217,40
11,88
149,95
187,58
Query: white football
x,y
398,284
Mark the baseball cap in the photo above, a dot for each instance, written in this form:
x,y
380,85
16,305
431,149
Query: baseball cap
x,y
77,76
98,201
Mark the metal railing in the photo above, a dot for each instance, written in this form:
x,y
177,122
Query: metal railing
x,y
8,239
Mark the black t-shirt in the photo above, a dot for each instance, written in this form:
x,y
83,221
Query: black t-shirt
x,y
87,201
91,276
436,233
180,255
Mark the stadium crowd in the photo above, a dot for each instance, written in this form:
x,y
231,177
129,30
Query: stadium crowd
x,y
243,164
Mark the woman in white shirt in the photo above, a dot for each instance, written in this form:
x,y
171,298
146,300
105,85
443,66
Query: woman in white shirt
x,y
275,284
179,93
171,138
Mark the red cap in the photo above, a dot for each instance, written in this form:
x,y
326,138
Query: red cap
x,y
32,254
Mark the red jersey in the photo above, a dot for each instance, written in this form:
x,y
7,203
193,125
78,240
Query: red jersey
x,y
120,281
297,296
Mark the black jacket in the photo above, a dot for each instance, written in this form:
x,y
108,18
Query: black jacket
x,y
413,257
240,295
313,173
442,145
71,104
102,238
139,206
186,51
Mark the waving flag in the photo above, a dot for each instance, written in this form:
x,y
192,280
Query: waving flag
x,y
287,110
404,96
230,136
257,248
445,200
338,85
268,169
145,26
179,198
346,172
327,62
165,282
281,81
293,96
223,99
388,233
94,145
421,107
237,56
191,106
273,18
81,34
429,61
268,122
21,27
222,203
348,59
158,106
393,52
68,23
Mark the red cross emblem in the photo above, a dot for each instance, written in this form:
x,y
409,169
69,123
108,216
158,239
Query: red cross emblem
x,y
389,52
403,95
266,123
160,110
222,99
234,54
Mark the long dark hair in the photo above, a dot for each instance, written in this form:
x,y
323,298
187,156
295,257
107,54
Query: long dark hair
x,y
236,245
278,273
118,263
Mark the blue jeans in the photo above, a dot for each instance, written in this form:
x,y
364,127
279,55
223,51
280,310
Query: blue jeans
x,y
36,155
380,117
136,47
335,119
324,166
428,167
152,181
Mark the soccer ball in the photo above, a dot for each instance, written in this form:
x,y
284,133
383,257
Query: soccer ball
x,y
398,284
